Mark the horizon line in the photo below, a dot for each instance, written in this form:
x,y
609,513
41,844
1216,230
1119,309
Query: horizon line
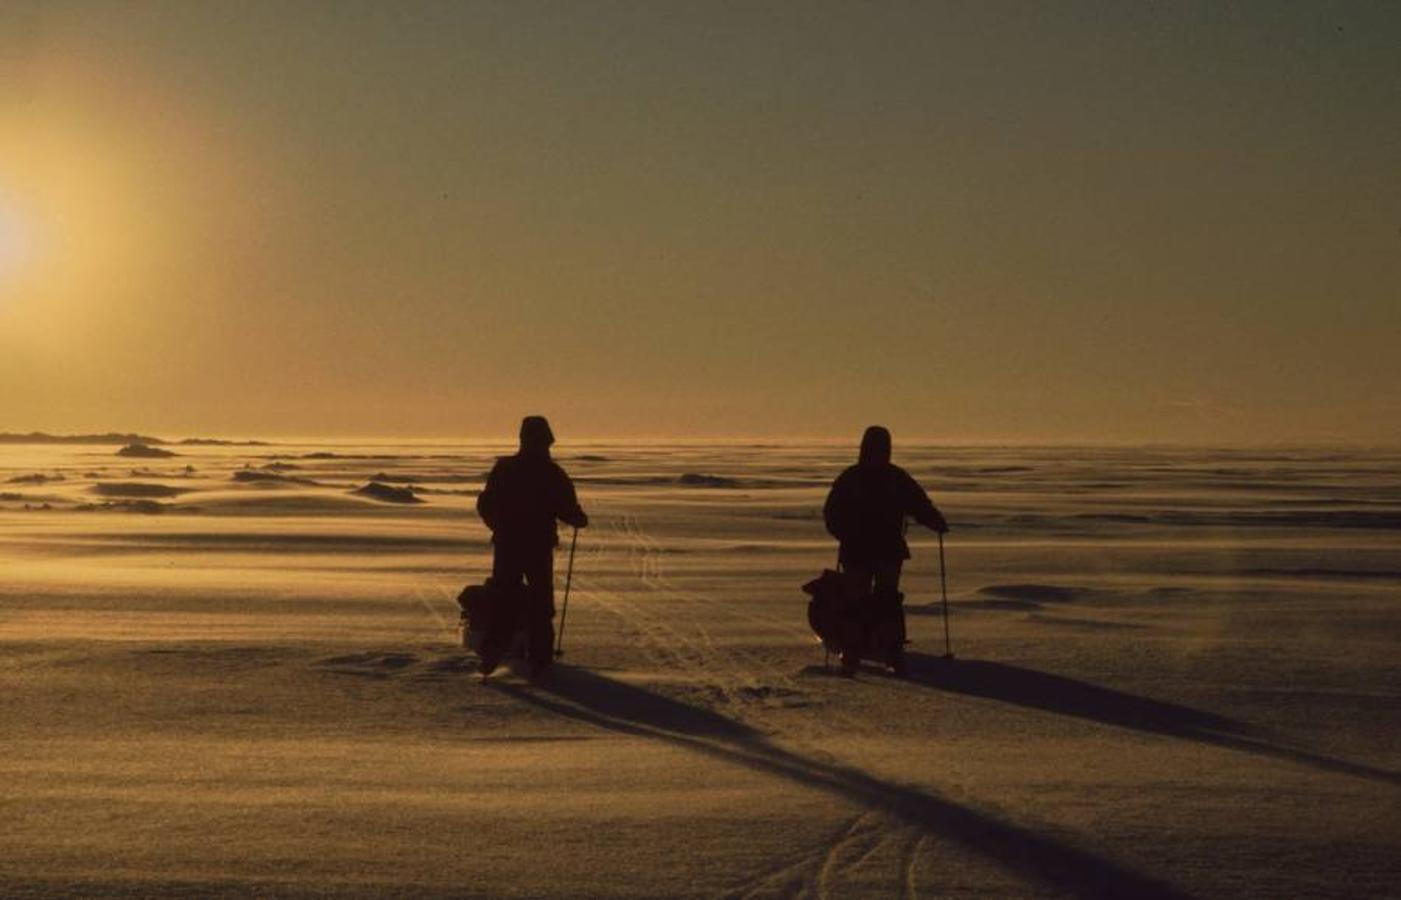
x,y
510,439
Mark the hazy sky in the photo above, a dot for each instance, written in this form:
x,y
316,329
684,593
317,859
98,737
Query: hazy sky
x,y
972,220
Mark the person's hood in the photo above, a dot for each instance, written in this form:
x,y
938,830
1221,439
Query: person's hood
x,y
536,436
875,447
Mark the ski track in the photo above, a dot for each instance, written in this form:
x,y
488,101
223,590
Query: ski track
x,y
821,871
863,837
669,622
689,648
741,677
651,568
655,565
913,846
810,872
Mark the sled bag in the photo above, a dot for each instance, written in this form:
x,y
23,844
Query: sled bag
x,y
828,593
481,604
488,609
873,628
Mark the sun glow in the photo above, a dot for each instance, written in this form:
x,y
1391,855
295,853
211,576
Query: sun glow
x,y
15,242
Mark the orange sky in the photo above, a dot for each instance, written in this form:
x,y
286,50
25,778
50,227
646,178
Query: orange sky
x,y
1077,221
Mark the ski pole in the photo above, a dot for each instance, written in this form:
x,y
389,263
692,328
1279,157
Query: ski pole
x,y
944,589
568,580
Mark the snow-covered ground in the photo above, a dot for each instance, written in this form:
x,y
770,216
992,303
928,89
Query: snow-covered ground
x,y
1177,673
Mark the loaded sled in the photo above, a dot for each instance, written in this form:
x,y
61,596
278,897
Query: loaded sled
x,y
491,618
870,627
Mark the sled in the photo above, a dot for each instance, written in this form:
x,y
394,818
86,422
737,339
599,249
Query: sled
x,y
487,611
872,628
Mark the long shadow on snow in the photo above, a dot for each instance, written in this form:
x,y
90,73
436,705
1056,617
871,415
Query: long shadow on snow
x,y
626,709
1068,697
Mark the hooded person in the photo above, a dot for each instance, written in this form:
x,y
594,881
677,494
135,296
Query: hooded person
x,y
525,496
866,511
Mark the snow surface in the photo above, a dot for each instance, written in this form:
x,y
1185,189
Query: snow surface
x,y
1177,674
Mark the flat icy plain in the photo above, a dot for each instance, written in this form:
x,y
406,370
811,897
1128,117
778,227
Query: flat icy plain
x,y
235,671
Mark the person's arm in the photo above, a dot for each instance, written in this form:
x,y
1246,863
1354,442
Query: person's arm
x,y
486,500
919,506
569,511
834,510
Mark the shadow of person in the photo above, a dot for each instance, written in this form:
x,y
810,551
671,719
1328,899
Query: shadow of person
x,y
619,706
628,709
1068,697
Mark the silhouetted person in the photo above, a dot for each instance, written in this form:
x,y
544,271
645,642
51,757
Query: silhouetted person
x,y
523,496
865,512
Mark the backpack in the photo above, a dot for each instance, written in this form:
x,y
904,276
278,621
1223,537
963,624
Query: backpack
x,y
487,609
872,629
828,593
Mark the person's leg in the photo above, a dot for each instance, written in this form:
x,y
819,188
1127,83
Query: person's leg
x,y
506,574
540,608
891,612
853,614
